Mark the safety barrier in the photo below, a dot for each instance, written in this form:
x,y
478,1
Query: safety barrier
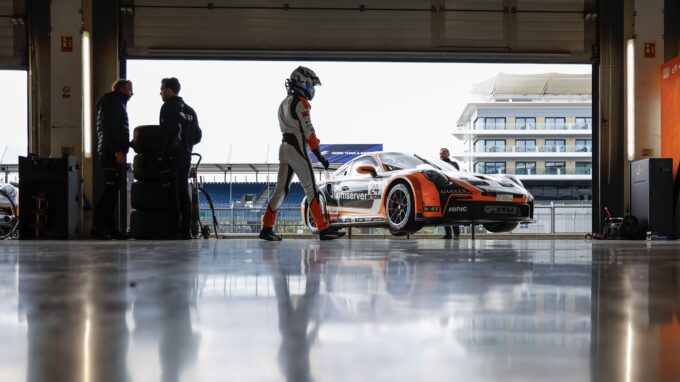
x,y
553,218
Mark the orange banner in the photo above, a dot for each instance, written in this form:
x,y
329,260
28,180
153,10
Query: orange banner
x,y
670,111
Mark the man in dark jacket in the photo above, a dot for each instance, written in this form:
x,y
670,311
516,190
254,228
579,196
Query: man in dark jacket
x,y
113,143
179,133
444,155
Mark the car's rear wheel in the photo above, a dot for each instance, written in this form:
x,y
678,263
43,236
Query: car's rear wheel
x,y
500,227
400,210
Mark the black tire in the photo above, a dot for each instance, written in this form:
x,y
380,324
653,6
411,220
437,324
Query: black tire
x,y
151,225
150,195
500,227
150,167
145,139
400,209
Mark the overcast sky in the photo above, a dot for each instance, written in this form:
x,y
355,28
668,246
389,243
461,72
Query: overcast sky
x,y
410,107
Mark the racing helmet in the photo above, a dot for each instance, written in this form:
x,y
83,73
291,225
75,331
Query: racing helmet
x,y
302,81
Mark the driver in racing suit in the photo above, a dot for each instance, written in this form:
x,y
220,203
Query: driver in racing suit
x,y
298,133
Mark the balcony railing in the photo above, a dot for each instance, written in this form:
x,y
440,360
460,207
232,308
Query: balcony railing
x,y
539,126
534,149
542,171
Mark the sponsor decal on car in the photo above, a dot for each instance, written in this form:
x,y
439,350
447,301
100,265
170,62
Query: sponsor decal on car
x,y
457,209
346,195
451,191
501,210
504,197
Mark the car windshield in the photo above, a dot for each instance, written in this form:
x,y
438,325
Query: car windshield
x,y
399,161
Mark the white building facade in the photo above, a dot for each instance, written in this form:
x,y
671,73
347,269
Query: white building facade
x,y
537,127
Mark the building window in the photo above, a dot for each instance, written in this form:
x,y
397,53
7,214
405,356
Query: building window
x,y
525,123
555,123
584,168
490,124
554,145
525,168
555,168
494,145
584,145
491,167
584,123
525,145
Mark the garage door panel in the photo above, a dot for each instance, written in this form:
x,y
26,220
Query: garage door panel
x,y
179,27
399,4
12,36
475,5
474,29
257,29
551,5
564,32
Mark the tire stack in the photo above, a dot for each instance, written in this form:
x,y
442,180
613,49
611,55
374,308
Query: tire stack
x,y
151,191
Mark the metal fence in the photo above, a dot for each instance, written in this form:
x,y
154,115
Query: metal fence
x,y
549,219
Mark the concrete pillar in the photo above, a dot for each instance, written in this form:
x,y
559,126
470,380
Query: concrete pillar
x,y
68,20
608,108
105,70
39,75
648,33
66,101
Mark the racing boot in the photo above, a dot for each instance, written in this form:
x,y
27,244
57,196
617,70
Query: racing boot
x,y
330,234
269,235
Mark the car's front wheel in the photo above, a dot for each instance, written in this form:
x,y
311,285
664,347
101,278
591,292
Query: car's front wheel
x,y
400,209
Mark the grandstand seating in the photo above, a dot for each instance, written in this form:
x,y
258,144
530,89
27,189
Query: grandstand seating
x,y
245,194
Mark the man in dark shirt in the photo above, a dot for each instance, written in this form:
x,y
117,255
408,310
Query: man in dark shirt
x,y
113,135
179,133
444,155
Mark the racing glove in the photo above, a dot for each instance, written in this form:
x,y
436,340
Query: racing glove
x,y
321,159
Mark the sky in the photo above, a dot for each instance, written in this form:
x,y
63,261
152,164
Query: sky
x,y
410,107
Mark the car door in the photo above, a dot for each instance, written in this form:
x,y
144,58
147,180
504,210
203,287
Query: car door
x,y
359,191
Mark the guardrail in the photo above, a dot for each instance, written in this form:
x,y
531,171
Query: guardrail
x,y
549,219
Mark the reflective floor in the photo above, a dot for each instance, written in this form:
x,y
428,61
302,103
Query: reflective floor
x,y
359,310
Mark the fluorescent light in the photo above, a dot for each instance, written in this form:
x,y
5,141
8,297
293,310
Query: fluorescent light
x,y
87,96
630,99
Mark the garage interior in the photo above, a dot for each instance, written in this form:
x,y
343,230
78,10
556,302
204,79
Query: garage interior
x,y
353,309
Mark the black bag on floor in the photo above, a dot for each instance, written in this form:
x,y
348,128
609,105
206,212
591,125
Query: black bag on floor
x,y
626,228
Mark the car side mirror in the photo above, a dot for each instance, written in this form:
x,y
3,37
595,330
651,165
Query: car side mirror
x,y
367,170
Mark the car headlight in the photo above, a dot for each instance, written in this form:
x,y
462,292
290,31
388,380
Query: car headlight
x,y
436,177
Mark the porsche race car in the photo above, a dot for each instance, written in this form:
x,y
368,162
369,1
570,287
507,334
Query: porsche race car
x,y
9,210
405,192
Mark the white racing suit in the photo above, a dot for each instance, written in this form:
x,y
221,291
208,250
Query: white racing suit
x,y
298,133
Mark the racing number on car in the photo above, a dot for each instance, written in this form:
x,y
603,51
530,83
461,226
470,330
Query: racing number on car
x,y
374,188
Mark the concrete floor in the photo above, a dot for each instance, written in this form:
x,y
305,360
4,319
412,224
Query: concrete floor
x,y
359,310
